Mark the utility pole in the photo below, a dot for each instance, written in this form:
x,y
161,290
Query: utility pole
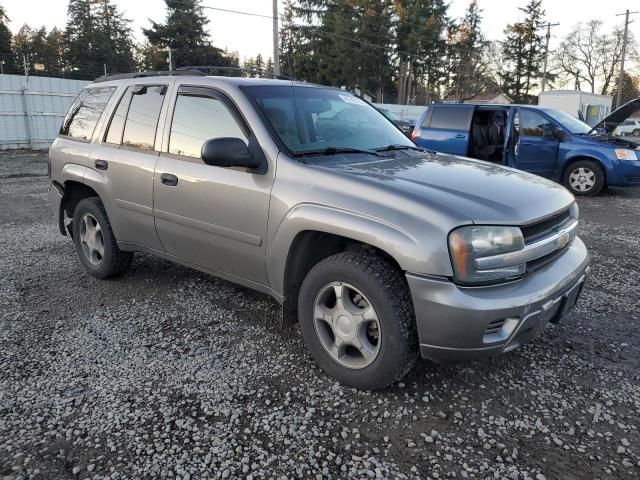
x,y
276,40
546,54
624,51
26,65
169,59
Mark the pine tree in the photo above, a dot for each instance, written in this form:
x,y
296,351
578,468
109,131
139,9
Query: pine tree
x,y
97,35
523,50
470,75
5,43
40,48
184,32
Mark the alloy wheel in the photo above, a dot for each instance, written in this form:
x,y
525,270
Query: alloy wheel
x,y
347,325
91,239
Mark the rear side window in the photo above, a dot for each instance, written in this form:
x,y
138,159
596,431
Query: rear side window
x,y
116,127
85,112
197,119
451,118
142,116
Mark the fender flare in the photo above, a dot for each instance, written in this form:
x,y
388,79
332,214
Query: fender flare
x,y
399,244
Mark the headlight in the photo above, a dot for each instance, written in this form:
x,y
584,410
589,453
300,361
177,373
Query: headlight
x,y
466,244
624,154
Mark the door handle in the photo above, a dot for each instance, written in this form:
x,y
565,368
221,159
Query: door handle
x,y
168,179
460,135
101,164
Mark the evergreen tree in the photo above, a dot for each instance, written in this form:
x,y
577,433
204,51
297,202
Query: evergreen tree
x,y
421,27
471,74
630,89
97,35
5,43
184,32
258,64
523,50
40,48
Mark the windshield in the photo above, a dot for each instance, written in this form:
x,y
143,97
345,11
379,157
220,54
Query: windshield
x,y
312,119
572,124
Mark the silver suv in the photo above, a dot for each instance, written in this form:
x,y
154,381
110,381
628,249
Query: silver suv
x,y
379,250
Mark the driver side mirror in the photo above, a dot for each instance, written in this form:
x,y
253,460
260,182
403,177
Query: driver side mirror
x,y
548,131
228,152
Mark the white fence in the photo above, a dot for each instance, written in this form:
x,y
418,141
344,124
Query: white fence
x,y
32,109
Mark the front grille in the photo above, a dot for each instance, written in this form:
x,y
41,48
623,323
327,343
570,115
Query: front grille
x,y
537,231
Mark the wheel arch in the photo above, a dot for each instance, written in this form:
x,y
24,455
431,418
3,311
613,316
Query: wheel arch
x,y
576,158
309,233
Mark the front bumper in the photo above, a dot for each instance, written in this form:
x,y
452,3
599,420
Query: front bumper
x,y
624,173
465,323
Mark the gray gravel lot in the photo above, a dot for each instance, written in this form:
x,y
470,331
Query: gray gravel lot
x,y
170,373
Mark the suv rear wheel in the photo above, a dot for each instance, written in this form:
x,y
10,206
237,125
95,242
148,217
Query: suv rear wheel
x,y
584,178
356,317
95,244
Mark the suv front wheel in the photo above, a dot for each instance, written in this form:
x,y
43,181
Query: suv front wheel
x,y
356,318
95,244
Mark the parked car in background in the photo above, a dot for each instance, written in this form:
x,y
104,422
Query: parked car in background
x,y
540,140
630,126
405,125
379,250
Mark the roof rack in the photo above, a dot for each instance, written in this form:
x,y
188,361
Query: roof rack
x,y
208,69
123,76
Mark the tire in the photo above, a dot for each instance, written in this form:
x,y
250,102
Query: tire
x,y
101,259
636,132
584,178
374,283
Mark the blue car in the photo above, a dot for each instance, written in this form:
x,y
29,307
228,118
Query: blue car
x,y
544,141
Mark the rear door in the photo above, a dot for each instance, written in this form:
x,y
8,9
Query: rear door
x,y
211,216
536,147
446,129
127,156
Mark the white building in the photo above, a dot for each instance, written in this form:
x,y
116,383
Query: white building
x,y
589,107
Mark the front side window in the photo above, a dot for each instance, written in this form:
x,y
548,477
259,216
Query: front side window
x,y
85,112
197,119
533,124
142,117
313,119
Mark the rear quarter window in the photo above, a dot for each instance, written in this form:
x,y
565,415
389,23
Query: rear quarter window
x,y
451,118
85,112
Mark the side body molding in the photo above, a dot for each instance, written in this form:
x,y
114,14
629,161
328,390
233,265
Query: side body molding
x,y
401,245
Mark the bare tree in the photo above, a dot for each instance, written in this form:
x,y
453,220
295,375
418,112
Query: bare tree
x,y
588,55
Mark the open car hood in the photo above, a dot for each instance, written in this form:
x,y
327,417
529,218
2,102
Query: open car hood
x,y
619,115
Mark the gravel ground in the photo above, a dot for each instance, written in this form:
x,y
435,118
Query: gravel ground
x,y
170,373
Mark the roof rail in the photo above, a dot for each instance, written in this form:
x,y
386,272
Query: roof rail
x,y
123,76
208,69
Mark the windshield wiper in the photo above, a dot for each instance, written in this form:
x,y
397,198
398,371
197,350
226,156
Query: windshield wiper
x,y
397,146
336,151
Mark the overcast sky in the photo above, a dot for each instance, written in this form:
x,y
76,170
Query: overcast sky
x,y
252,35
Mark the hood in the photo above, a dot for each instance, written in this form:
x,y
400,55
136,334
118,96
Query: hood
x,y
481,192
619,115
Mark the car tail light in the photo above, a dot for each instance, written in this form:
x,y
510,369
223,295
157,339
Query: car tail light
x,y
415,134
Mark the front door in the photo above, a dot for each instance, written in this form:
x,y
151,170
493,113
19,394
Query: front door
x,y
211,216
535,146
